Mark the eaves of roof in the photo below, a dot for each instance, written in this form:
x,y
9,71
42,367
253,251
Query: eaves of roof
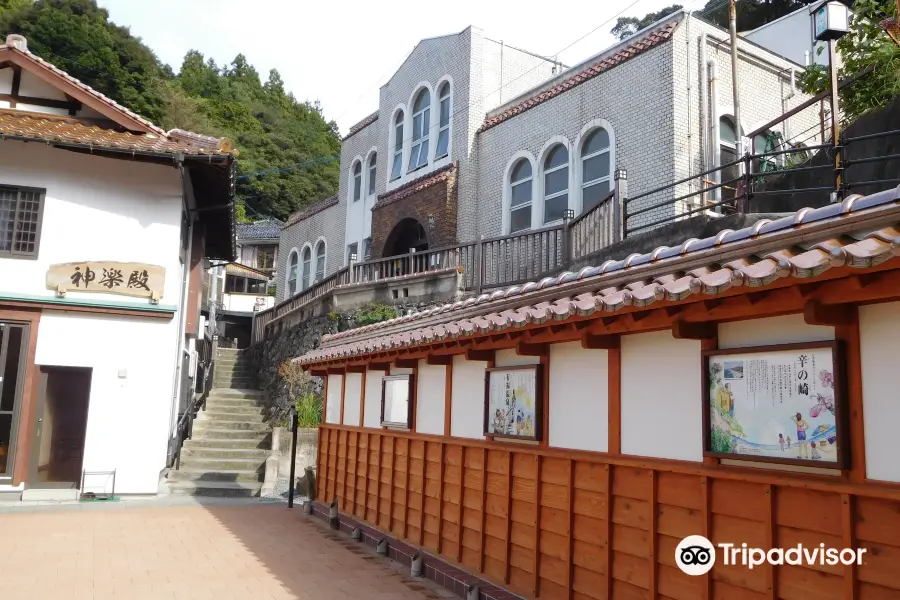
x,y
312,209
416,185
354,129
860,232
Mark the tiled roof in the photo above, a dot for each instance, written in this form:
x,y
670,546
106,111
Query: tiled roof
x,y
84,87
266,229
802,245
416,185
362,124
315,207
63,129
645,42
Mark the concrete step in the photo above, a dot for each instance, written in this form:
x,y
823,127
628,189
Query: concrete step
x,y
237,444
205,425
237,393
230,412
231,434
247,373
224,464
220,489
219,453
234,383
186,473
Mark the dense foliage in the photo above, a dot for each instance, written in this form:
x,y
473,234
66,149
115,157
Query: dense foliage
x,y
269,126
628,26
867,45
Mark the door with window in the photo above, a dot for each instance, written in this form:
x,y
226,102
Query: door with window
x,y
13,338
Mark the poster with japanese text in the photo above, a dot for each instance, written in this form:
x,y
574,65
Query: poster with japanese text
x,y
777,404
512,403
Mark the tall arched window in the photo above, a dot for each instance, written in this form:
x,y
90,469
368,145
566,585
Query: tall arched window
x,y
307,263
443,140
595,169
320,260
421,119
520,196
397,165
372,162
556,183
292,274
357,180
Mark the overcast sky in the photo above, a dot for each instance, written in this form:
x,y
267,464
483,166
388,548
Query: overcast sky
x,y
341,52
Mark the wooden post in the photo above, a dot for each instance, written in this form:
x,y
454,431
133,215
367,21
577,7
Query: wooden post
x,y
406,490
607,568
412,262
566,245
706,586
378,484
771,525
620,205
509,501
849,335
448,398
570,533
365,490
614,426
440,498
652,538
851,585
459,512
479,266
422,493
390,523
483,507
536,586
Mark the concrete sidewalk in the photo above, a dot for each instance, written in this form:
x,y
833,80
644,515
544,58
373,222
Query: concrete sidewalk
x,y
168,549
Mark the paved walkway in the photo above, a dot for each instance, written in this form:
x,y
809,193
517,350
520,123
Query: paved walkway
x,y
258,551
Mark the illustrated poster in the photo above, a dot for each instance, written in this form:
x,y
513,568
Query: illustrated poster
x,y
512,403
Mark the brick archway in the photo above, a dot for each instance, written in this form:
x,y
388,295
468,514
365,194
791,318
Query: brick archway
x,y
408,233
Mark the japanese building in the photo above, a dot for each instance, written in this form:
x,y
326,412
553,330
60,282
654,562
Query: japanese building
x,y
560,438
105,222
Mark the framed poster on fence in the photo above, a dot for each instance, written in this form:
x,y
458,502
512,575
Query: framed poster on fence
x,y
779,404
397,401
513,403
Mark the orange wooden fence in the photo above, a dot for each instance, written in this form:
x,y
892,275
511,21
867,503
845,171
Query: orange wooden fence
x,y
553,524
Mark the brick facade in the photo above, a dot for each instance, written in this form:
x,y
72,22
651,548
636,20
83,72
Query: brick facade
x,y
433,196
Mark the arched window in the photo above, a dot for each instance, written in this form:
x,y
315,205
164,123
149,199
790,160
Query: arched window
x,y
307,260
320,260
357,180
397,165
595,169
556,183
728,152
520,196
443,140
292,274
372,161
421,119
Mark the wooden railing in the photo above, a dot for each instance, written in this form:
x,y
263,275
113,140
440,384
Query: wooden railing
x,y
413,263
521,257
595,229
554,523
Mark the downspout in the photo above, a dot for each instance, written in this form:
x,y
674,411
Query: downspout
x,y
182,305
714,148
784,105
704,105
690,130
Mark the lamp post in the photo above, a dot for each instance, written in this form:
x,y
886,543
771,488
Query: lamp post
x,y
831,21
291,483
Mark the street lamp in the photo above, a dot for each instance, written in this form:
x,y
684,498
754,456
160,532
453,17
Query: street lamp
x,y
831,22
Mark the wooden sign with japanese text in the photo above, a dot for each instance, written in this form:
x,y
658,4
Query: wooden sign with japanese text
x,y
107,277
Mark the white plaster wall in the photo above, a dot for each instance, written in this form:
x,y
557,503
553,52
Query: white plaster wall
x,y
430,394
579,397
661,397
786,329
467,400
879,330
373,399
333,400
509,358
791,36
95,209
352,398
35,87
128,418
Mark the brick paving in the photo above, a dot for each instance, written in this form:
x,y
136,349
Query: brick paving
x,y
262,551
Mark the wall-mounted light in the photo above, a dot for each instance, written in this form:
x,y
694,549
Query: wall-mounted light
x,y
569,214
353,257
431,221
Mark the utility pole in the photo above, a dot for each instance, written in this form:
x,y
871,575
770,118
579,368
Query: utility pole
x,y
732,22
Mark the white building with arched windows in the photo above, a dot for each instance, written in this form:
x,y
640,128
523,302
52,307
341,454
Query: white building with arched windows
x,y
475,138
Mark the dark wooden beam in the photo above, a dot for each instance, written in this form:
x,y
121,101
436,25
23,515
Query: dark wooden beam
x,y
599,342
483,355
834,314
356,368
533,349
14,98
318,372
439,359
379,366
336,370
16,82
682,330
406,363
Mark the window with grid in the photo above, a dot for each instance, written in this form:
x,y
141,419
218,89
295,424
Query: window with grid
x,y
398,147
418,156
20,221
265,257
556,184
443,141
595,169
357,180
520,196
320,261
373,160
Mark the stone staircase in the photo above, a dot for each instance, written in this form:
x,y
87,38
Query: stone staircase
x,y
226,455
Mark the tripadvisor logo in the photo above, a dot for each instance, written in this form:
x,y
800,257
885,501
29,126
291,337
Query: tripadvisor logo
x,y
696,555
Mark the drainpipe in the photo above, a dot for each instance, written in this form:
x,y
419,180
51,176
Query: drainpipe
x,y
732,22
182,306
690,130
784,104
714,149
704,105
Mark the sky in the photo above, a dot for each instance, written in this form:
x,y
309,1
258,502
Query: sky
x,y
340,53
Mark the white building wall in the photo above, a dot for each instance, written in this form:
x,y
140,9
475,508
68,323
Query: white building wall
x,y
467,408
352,398
128,417
35,87
791,36
333,399
372,418
579,398
509,358
431,391
661,397
359,147
879,330
95,209
786,329
327,224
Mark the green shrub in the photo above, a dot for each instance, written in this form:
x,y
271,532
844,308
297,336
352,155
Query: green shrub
x,y
374,312
309,411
